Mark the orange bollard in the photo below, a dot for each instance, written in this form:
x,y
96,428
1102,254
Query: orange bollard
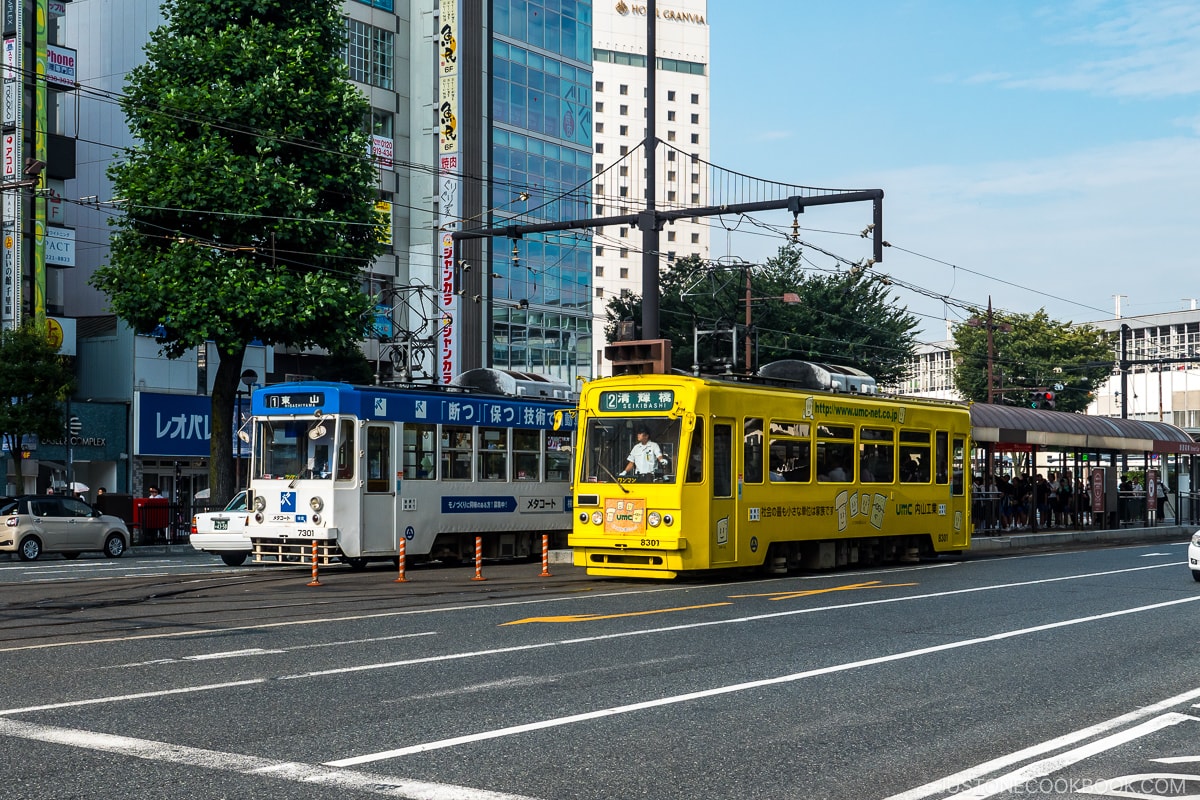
x,y
479,559
314,581
400,559
545,556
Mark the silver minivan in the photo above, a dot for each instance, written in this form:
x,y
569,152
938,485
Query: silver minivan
x,y
36,524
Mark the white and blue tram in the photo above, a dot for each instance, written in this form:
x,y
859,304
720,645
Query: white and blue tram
x,y
355,468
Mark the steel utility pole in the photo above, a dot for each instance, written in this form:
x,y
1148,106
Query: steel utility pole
x,y
648,220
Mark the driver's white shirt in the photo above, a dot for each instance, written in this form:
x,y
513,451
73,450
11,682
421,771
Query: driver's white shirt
x,y
644,457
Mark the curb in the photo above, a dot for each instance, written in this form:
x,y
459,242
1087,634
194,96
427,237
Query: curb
x,y
1041,541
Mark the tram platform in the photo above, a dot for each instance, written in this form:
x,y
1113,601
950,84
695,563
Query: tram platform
x,y
1016,541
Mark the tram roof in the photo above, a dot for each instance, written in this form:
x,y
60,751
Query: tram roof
x,y
1012,424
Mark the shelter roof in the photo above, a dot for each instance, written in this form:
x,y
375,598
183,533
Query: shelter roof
x,y
1060,429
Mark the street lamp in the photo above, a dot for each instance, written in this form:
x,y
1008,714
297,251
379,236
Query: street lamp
x,y
790,298
249,378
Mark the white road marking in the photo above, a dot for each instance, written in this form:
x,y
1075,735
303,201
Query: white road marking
x,y
164,752
951,783
1031,772
255,651
139,696
740,687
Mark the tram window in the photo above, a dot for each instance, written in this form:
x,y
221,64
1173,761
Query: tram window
x,y
346,451
722,452
379,458
527,455
752,450
420,455
695,469
558,457
456,453
957,486
914,456
876,455
942,462
790,453
835,462
493,454
835,431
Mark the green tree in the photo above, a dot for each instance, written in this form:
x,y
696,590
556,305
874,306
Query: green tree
x,y
34,382
848,318
1032,351
250,201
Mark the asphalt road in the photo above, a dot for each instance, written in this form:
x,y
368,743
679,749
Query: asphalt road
x,y
1046,675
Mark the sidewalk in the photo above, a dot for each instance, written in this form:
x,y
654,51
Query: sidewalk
x,y
1046,540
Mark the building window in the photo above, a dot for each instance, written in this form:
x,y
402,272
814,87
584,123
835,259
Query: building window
x,y
624,111
671,94
625,273
599,292
623,131
695,119
670,175
670,155
670,236
599,188
624,88
599,252
671,196
599,86
695,177
624,170
670,116
623,233
695,198
670,136
625,294
695,138
600,145
624,149
695,99
695,238
623,191
624,252
369,54
599,129
380,122
599,270
599,168
670,256
599,107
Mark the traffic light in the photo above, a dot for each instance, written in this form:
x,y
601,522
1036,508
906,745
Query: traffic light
x,y
1041,398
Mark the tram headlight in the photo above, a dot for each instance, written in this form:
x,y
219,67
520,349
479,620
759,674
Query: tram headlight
x,y
258,517
316,503
654,518
668,520
260,502
316,519
583,517
597,517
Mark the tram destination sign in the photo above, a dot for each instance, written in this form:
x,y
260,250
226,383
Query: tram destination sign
x,y
656,400
296,400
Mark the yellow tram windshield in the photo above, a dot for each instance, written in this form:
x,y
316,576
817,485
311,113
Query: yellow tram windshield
x,y
621,449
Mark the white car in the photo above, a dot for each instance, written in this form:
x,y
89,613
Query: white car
x,y
1194,555
224,532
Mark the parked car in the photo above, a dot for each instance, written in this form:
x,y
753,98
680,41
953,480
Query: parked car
x,y
1194,555
34,524
224,532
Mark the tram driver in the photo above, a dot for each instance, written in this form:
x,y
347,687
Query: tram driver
x,y
645,457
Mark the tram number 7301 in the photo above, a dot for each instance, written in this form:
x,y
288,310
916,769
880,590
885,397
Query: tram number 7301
x,y
305,532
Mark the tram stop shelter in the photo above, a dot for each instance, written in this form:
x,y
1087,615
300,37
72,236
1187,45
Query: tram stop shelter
x,y
1099,451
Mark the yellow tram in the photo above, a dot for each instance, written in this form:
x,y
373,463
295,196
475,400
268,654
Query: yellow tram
x,y
826,473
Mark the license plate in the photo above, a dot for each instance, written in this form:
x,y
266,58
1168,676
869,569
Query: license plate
x,y
220,524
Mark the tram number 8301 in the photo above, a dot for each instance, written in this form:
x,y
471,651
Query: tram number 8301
x,y
650,543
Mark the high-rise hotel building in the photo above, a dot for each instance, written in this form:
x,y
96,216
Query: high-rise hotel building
x,y
682,126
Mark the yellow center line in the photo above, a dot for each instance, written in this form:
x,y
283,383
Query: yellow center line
x,y
593,617
810,592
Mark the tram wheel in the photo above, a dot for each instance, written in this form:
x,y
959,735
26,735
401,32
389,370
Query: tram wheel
x,y
355,564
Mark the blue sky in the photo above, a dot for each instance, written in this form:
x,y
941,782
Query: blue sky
x,y
1045,154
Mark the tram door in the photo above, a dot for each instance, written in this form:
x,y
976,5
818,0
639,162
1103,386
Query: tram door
x,y
723,521
379,495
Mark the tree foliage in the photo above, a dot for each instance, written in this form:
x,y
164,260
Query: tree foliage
x,y
34,382
1032,351
848,318
250,200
